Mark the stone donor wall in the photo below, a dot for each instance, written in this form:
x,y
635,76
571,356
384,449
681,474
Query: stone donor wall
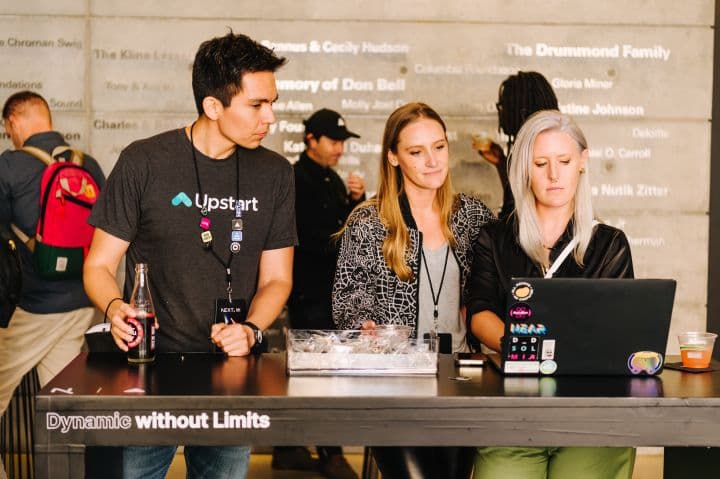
x,y
636,76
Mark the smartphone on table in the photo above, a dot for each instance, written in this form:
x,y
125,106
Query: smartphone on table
x,y
470,359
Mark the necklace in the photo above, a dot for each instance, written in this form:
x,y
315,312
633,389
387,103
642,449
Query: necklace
x,y
436,299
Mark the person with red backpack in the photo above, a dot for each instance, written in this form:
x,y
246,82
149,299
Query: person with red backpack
x,y
46,192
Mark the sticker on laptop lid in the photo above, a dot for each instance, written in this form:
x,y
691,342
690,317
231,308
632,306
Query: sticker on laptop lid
x,y
522,348
537,329
548,366
648,362
522,291
548,349
520,311
522,367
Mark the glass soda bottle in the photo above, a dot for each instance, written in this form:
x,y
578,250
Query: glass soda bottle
x,y
141,349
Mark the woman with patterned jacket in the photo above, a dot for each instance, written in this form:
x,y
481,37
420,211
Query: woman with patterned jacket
x,y
405,259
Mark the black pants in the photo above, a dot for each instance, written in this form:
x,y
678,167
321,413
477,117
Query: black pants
x,y
424,462
308,313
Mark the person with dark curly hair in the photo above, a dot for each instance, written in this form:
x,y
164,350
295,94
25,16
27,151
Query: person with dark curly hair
x,y
520,96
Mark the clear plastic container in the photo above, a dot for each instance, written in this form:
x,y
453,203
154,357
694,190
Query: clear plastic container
x,y
379,352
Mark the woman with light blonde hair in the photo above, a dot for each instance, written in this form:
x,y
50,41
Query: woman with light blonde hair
x,y
405,259
551,233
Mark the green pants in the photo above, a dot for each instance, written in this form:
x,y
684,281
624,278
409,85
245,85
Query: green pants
x,y
554,463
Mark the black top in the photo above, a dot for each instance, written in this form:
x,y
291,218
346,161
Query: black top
x,y
498,257
322,204
20,177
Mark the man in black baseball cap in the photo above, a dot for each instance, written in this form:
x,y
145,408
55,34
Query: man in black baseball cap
x,y
328,123
322,203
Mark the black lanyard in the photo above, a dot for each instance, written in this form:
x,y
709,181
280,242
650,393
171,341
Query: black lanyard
x,y
436,299
204,213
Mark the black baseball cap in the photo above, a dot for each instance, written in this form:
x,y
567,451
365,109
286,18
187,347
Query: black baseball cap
x,y
328,123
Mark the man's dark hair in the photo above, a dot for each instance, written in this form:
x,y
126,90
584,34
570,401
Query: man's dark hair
x,y
520,96
221,62
17,99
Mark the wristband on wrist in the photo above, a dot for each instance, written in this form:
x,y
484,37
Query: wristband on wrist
x,y
107,308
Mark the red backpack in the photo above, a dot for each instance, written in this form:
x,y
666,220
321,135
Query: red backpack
x,y
67,194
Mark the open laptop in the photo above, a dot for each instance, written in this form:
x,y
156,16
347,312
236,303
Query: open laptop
x,y
580,326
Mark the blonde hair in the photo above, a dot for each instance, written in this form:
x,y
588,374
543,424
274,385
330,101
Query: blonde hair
x,y
520,175
390,189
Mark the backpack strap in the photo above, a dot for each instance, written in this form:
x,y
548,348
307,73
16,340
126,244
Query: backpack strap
x,y
29,242
41,155
77,157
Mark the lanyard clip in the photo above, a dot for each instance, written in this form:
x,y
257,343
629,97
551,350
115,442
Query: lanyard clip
x,y
434,340
228,278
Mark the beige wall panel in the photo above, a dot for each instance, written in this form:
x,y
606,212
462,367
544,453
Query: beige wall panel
x,y
46,55
44,7
694,12
366,68
141,65
648,165
462,72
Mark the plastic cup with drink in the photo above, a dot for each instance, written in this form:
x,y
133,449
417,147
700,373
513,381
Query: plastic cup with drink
x,y
482,141
696,348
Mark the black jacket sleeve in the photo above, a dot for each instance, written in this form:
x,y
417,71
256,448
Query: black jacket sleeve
x,y
484,293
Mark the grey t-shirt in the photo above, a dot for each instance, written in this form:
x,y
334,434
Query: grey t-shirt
x,y
151,200
20,177
449,319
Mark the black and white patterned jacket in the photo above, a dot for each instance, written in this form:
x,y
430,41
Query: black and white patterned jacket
x,y
366,288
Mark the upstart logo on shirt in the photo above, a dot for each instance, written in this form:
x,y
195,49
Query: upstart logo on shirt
x,y
213,203
181,198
